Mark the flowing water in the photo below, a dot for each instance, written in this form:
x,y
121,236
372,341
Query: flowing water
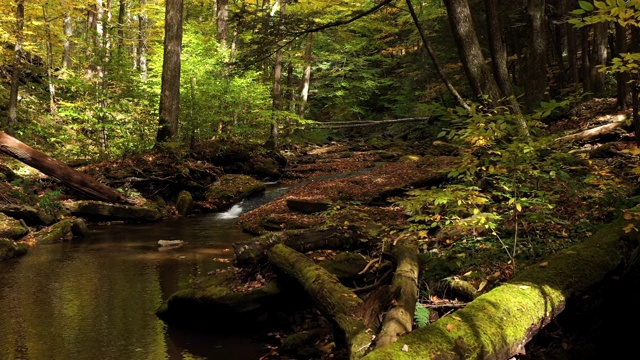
x,y
96,298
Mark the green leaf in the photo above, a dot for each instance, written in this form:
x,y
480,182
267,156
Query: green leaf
x,y
585,5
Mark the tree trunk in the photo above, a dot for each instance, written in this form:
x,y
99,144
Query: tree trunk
x,y
498,324
306,82
586,63
623,97
336,302
399,319
599,57
170,92
122,10
498,47
142,42
67,45
12,118
222,16
536,55
51,85
434,59
478,73
49,166
572,44
250,253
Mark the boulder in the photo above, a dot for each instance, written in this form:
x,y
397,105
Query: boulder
x,y
55,233
231,189
184,203
11,228
30,215
9,249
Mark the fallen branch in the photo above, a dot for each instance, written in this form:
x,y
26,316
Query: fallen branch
x,y
498,324
588,135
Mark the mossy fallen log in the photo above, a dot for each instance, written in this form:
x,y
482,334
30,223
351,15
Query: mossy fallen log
x,y
102,211
55,233
336,302
404,288
499,323
254,252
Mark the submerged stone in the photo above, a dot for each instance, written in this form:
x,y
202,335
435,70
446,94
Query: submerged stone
x,y
10,249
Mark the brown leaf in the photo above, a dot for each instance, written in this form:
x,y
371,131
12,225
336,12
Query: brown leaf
x,y
450,327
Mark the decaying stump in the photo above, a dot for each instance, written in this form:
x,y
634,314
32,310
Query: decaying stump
x,y
49,166
404,289
336,302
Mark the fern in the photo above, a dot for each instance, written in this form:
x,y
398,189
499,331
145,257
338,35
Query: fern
x,y
421,315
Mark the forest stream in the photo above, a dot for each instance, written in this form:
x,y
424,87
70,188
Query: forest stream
x,y
97,297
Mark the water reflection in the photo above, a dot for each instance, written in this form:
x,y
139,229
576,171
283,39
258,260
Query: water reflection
x,y
96,298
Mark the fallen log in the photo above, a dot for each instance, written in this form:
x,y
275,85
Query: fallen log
x,y
81,182
404,288
590,134
254,252
498,324
336,302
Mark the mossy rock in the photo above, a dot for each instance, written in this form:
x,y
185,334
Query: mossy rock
x,y
11,228
184,203
55,233
10,249
231,189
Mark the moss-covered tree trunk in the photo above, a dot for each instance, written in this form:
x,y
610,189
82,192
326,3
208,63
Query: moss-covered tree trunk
x,y
336,302
498,324
404,289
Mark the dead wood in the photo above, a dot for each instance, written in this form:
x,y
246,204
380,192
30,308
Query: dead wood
x,y
591,134
336,302
254,252
352,124
81,182
404,288
498,324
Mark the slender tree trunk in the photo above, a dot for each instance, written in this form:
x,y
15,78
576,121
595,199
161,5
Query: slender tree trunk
x,y
586,63
478,73
223,22
67,45
497,46
122,10
622,78
536,55
170,88
142,41
572,44
52,88
306,82
434,59
12,118
599,54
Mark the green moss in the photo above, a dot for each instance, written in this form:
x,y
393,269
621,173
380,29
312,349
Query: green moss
x,y
11,228
490,326
55,233
10,249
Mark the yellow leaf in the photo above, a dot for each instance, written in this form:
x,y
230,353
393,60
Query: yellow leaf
x,y
544,264
518,207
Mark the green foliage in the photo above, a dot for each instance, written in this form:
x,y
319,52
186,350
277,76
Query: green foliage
x,y
421,315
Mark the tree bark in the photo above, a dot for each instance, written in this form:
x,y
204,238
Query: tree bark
x,y
170,88
12,117
49,166
623,96
51,85
594,133
142,42
306,82
478,73
399,319
572,44
67,45
497,45
253,252
336,302
498,324
222,17
536,55
599,57
434,59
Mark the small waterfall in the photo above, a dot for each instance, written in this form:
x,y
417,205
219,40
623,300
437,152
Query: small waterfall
x,y
232,213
